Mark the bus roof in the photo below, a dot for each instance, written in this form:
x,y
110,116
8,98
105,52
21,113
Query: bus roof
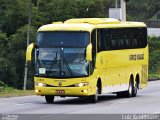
x,y
88,24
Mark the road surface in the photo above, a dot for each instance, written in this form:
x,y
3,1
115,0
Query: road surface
x,y
146,102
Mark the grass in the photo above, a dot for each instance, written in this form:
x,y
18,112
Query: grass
x,y
154,76
11,92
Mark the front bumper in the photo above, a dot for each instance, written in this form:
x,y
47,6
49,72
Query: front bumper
x,y
68,91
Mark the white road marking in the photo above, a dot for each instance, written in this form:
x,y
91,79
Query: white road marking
x,y
22,104
47,116
122,102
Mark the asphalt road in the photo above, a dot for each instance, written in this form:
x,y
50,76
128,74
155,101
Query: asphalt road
x,y
146,102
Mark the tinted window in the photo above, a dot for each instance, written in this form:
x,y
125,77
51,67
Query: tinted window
x,y
65,39
101,39
122,38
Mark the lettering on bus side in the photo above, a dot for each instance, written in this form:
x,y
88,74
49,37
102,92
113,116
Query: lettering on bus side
x,y
132,57
136,57
140,56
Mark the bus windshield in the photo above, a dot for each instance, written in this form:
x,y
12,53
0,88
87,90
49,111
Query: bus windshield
x,y
61,56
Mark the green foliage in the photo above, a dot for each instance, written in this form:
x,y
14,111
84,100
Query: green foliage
x,y
19,50
154,58
61,10
2,84
14,15
137,9
90,8
7,72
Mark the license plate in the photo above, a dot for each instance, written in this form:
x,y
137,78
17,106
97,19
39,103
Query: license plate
x,y
60,91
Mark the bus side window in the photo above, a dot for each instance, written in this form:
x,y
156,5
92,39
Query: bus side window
x,y
141,37
108,39
113,44
101,40
135,38
122,43
127,39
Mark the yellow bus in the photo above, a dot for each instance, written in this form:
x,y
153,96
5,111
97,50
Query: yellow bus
x,y
90,56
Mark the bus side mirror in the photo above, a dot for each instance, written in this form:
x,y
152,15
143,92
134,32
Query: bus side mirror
x,y
29,52
89,52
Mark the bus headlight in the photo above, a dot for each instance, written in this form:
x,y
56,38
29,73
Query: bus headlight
x,y
81,84
40,84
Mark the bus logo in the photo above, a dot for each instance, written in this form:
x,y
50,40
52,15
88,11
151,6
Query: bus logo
x,y
60,83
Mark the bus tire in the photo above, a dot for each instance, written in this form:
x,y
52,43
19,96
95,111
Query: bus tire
x,y
130,90
129,93
49,98
94,98
134,93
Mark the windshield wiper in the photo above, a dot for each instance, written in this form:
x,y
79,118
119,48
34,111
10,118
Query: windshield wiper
x,y
69,69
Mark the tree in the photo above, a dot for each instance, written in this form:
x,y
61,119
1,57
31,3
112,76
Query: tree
x,y
7,69
153,8
137,9
90,8
19,50
65,9
14,15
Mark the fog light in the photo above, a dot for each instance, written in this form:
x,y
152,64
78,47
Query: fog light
x,y
85,91
36,91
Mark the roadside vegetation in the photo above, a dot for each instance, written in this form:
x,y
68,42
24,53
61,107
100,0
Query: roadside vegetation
x,y
154,57
6,91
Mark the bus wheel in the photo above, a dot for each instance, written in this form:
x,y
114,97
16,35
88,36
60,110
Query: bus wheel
x,y
49,98
94,98
130,91
134,93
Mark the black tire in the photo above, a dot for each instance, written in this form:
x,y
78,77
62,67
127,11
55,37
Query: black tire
x,y
49,98
134,93
94,98
131,92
